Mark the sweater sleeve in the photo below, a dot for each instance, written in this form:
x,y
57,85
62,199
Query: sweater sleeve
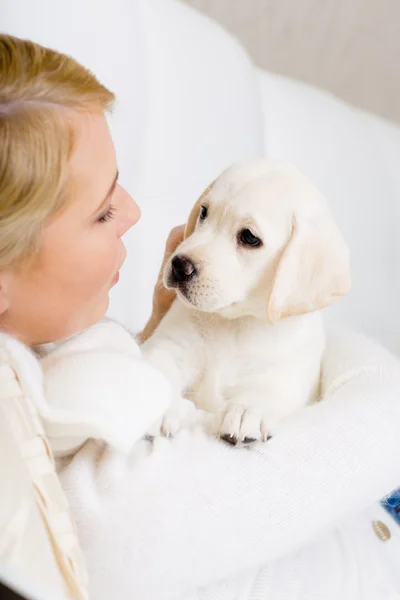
x,y
184,513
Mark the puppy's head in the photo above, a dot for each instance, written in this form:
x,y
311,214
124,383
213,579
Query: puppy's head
x,y
260,236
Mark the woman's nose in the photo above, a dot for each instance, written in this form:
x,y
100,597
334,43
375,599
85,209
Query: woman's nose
x,y
129,212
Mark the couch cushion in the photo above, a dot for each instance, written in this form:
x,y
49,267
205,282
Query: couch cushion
x,y
354,159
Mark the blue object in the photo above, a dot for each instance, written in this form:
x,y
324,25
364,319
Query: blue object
x,y
391,503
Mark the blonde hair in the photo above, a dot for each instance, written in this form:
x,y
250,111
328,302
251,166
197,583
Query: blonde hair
x,y
37,87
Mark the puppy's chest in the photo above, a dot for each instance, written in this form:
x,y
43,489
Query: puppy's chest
x,y
228,361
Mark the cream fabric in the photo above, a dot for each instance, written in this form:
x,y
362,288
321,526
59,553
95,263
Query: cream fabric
x,y
37,535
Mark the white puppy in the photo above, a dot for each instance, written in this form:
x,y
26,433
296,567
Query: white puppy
x,y
243,339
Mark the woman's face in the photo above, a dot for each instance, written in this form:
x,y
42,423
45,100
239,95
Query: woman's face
x,y
66,288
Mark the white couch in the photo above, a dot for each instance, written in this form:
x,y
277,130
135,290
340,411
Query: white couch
x,y
190,102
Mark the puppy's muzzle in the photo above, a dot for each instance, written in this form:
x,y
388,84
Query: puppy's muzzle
x,y
182,269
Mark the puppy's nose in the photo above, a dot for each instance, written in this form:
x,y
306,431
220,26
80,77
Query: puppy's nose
x,y
182,268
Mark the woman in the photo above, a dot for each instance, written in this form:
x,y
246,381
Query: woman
x,y
182,518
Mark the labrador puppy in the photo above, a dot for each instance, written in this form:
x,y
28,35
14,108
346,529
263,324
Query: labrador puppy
x,y
244,337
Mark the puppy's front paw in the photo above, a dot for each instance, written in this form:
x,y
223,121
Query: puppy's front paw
x,y
183,414
242,423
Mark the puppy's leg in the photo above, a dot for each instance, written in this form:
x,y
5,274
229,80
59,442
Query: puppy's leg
x,y
243,421
182,414
255,411
173,350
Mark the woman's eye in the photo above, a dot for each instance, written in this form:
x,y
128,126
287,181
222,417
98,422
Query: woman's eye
x,y
110,214
203,213
247,238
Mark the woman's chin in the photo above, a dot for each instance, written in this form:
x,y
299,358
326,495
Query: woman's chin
x,y
97,314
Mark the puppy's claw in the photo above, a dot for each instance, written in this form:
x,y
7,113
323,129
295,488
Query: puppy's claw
x,y
230,439
242,424
249,440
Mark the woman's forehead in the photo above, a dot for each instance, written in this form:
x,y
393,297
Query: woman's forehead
x,y
93,161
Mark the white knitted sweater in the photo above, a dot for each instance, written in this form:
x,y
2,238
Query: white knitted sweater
x,y
196,519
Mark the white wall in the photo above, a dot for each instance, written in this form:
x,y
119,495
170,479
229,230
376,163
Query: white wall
x,y
350,47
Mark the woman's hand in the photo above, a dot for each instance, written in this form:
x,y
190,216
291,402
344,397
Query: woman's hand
x,y
162,298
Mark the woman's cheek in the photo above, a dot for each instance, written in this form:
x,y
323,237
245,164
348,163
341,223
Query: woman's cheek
x,y
107,266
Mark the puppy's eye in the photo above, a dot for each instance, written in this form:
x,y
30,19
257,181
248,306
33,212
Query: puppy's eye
x,y
203,212
248,239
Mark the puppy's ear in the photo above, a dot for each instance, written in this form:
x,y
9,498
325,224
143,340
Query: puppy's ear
x,y
192,220
314,269
194,214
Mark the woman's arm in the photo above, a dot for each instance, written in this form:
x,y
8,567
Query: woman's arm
x,y
184,513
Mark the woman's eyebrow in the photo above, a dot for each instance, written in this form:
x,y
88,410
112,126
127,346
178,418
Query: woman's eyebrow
x,y
109,193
